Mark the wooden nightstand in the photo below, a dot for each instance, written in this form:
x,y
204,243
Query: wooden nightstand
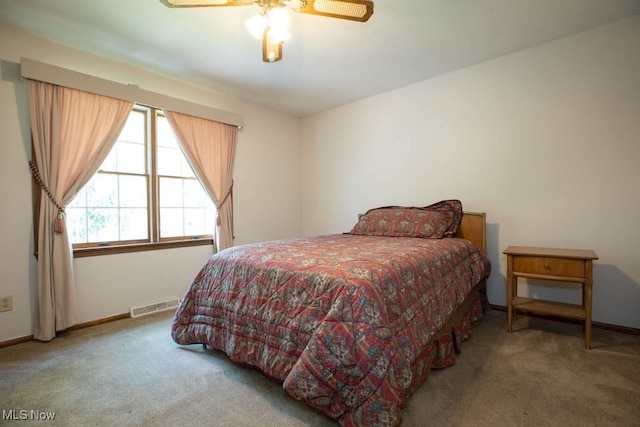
x,y
564,265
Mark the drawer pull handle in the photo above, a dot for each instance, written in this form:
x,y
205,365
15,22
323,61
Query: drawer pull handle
x,y
547,266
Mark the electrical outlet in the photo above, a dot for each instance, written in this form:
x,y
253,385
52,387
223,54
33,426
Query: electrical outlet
x,y
6,303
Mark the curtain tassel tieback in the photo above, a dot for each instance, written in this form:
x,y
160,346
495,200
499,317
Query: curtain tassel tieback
x,y
58,223
229,194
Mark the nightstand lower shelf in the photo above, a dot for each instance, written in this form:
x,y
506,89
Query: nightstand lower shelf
x,y
548,308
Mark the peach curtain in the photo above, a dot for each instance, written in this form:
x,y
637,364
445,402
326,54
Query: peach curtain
x,y
210,148
73,132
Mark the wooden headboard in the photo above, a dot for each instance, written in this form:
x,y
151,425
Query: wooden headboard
x,y
474,228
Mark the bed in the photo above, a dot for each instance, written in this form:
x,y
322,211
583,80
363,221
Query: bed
x,y
352,323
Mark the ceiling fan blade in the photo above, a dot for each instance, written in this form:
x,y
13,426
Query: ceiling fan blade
x,y
205,3
354,10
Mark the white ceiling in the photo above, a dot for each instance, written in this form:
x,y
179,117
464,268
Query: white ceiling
x,y
328,62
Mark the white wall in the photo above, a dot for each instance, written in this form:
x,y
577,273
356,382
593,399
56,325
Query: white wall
x,y
546,141
17,264
267,181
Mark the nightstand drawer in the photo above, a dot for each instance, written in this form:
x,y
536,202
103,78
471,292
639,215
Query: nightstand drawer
x,y
549,266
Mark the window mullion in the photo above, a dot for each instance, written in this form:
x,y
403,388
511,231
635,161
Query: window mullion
x,y
154,203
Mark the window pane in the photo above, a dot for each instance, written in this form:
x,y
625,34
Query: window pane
x,y
80,201
194,222
189,210
128,154
133,224
102,191
171,192
166,137
100,216
135,128
103,225
194,195
77,224
185,168
133,191
169,161
110,164
210,220
131,157
171,222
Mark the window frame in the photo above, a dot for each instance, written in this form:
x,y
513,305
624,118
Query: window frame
x,y
154,241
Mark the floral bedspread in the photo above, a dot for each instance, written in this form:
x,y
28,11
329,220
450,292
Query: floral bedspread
x,y
342,320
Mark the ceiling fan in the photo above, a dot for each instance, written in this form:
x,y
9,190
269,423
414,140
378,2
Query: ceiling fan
x,y
272,24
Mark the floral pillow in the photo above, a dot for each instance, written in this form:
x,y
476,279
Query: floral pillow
x,y
435,221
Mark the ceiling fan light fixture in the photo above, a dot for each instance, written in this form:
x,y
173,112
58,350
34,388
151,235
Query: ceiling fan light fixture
x,y
295,5
333,7
353,10
279,21
256,26
196,3
271,48
276,19
272,25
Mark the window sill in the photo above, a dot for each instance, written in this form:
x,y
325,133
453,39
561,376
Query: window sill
x,y
138,247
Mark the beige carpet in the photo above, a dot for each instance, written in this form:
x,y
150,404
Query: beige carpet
x,y
130,373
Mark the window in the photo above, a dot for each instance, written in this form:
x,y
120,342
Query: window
x,y
144,192
185,208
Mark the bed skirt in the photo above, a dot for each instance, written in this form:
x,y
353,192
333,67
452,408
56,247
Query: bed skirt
x,y
441,353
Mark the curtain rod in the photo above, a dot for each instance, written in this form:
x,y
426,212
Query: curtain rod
x,y
48,73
